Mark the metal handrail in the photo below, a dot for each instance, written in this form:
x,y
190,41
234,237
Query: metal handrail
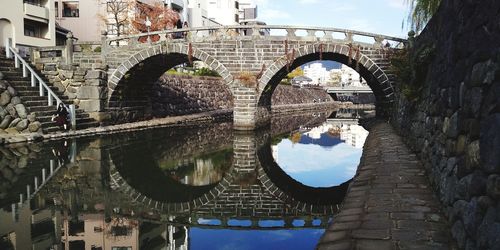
x,y
288,28
51,96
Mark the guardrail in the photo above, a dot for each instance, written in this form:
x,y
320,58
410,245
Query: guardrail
x,y
35,78
259,31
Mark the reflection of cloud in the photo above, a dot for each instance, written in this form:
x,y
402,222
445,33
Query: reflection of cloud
x,y
208,222
317,166
307,158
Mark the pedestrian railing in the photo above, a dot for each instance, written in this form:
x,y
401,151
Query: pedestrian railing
x,y
260,32
36,79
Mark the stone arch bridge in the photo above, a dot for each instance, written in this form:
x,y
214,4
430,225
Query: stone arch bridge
x,y
250,64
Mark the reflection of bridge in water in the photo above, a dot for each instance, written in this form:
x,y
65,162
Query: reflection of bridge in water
x,y
91,190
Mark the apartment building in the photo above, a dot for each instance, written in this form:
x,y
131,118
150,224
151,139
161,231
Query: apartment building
x,y
224,12
29,23
81,17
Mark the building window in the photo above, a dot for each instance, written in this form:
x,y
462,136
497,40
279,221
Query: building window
x,y
71,9
31,30
237,18
57,8
237,5
33,2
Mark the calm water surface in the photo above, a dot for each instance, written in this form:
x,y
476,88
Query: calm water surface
x,y
202,187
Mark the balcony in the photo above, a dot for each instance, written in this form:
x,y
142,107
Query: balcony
x,y
178,4
37,12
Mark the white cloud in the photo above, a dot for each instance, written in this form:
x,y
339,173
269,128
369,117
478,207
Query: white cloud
x,y
272,14
397,4
308,1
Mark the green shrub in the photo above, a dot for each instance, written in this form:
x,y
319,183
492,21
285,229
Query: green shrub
x,y
206,72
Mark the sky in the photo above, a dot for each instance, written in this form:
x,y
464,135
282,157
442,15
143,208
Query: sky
x,y
376,16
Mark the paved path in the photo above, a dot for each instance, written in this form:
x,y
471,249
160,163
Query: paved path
x,y
390,203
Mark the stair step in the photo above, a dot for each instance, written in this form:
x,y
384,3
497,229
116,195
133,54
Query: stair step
x,y
45,119
51,112
49,126
40,98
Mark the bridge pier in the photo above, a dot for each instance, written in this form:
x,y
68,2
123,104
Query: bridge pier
x,y
247,114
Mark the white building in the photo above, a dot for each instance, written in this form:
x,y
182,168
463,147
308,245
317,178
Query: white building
x,y
29,23
247,10
349,77
317,73
197,14
224,12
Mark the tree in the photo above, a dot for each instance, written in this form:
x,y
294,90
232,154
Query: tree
x,y
119,14
161,17
420,12
296,72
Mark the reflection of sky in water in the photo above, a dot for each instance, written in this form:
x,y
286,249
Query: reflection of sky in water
x,y
254,239
322,160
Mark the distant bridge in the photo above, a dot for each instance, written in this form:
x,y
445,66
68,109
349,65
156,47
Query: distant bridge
x,y
349,90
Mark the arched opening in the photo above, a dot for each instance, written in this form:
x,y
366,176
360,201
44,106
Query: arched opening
x,y
166,84
6,31
373,75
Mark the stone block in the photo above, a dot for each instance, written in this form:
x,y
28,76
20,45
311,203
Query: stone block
x,y
91,105
493,186
5,98
21,110
90,92
22,125
95,74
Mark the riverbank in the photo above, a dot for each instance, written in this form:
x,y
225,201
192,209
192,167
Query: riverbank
x,y
199,118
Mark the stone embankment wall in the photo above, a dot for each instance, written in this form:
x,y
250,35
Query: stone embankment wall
x,y
14,118
287,98
85,87
453,123
179,95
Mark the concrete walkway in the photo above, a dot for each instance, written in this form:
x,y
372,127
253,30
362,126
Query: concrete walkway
x,y
390,204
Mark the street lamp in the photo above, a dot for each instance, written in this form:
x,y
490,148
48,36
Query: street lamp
x,y
148,26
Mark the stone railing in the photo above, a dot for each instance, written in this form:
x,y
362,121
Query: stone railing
x,y
275,32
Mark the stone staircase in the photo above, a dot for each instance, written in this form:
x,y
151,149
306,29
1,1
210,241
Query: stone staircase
x,y
38,104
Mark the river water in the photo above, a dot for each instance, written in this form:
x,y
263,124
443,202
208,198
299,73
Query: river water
x,y
197,187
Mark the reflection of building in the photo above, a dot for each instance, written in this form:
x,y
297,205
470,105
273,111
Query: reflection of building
x,y
91,231
354,135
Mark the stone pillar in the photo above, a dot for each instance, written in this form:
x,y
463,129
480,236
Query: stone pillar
x,y
93,93
69,48
247,115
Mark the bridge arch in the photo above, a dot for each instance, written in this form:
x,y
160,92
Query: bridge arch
x,y
148,64
362,59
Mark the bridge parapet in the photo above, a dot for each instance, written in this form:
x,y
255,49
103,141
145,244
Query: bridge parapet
x,y
253,32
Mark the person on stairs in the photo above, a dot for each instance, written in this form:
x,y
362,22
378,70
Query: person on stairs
x,y
61,117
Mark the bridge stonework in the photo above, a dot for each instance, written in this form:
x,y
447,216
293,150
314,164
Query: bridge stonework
x,y
250,66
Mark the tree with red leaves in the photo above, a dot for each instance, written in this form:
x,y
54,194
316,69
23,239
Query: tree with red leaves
x,y
161,18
